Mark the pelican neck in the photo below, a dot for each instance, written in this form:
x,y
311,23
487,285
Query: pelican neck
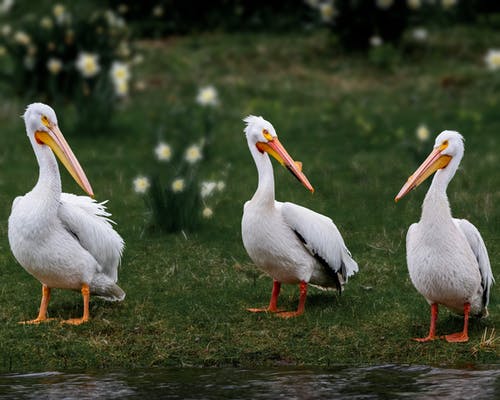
x,y
436,205
265,188
49,180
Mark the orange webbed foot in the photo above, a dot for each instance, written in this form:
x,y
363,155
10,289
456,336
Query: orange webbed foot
x,y
75,321
290,314
264,309
459,337
36,321
425,339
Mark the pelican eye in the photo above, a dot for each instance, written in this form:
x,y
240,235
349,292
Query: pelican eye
x,y
443,146
45,120
266,134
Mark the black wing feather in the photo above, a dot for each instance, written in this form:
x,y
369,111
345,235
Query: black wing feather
x,y
322,261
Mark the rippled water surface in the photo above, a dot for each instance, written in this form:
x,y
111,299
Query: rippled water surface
x,y
375,382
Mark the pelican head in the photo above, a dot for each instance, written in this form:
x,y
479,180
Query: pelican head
x,y
42,129
449,145
261,135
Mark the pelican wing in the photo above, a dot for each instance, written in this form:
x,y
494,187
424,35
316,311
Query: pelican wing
x,y
479,249
321,238
88,221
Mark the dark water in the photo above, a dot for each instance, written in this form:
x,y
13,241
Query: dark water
x,y
376,382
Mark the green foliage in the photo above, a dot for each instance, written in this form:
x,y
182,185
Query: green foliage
x,y
44,58
158,18
175,211
356,22
385,56
175,193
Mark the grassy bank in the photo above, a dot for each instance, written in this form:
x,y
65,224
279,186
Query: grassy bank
x,y
352,124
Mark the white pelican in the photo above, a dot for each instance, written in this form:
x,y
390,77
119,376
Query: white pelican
x,y
447,259
63,240
291,243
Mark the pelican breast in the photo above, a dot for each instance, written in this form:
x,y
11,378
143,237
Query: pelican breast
x,y
273,246
442,266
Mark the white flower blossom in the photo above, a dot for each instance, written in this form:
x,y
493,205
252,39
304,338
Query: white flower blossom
x,y
384,4
121,88
6,30
163,152
60,14
423,133
58,10
312,3
141,184
207,213
414,4
207,188
88,64
207,96
5,6
22,38
120,71
158,11
114,20
447,4
420,34
492,59
178,185
120,76
54,65
138,59
326,11
46,23
376,41
193,154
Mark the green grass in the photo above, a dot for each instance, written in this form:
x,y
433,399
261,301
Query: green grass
x,y
351,124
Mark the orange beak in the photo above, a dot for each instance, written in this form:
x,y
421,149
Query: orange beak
x,y
436,160
55,140
276,149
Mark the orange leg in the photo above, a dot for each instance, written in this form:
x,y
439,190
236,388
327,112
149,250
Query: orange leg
x,y
432,329
42,314
86,300
273,304
464,335
302,303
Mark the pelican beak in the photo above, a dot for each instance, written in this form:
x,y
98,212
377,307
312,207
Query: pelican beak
x,y
54,138
276,149
436,160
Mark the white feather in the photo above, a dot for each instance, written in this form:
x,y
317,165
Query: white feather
x,y
89,221
321,237
479,249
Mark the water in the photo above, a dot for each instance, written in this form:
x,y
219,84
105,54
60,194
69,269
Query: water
x,y
376,382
